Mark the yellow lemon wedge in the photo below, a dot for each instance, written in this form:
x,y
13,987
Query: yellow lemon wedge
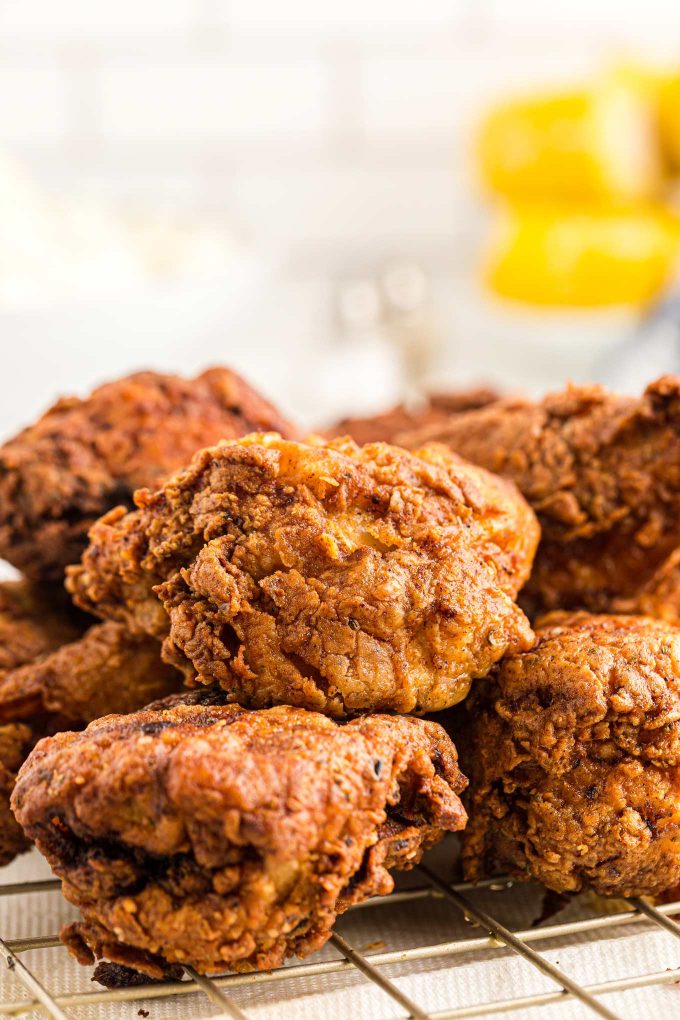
x,y
660,88
587,258
595,145
669,120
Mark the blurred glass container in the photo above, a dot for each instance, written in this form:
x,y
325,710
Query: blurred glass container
x,y
651,350
357,370
411,324
518,347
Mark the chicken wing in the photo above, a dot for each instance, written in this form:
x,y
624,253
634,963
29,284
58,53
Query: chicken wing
x,y
602,473
435,409
106,670
85,456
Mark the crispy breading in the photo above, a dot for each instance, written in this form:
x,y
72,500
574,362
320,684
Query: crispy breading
x,y
434,409
106,670
602,472
573,753
34,620
53,676
15,742
329,576
200,833
83,457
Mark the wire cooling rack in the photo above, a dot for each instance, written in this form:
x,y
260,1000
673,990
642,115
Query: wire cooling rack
x,y
480,930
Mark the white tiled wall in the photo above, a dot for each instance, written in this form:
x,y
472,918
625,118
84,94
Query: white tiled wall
x,y
323,127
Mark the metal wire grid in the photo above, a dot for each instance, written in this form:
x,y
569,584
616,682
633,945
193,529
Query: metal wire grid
x,y
217,989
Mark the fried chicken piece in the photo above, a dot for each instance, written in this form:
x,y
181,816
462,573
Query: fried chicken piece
x,y
106,670
573,753
52,678
436,409
16,741
85,456
659,596
603,474
328,576
196,832
33,621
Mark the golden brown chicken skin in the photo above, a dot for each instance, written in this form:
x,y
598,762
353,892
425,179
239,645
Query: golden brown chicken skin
x,y
16,741
34,620
602,473
200,833
328,576
105,670
433,410
83,457
573,753
54,676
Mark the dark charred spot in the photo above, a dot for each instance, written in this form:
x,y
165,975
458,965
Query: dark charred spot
x,y
353,624
230,640
149,728
545,697
116,975
120,494
377,766
591,792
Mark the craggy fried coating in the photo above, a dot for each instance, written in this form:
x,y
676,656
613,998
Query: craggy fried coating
x,y
52,678
573,754
85,456
603,474
659,596
328,576
435,409
16,741
32,623
106,670
200,833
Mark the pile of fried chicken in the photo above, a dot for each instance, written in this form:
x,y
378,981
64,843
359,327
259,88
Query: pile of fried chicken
x,y
228,671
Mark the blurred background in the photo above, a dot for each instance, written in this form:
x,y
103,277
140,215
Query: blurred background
x,y
350,202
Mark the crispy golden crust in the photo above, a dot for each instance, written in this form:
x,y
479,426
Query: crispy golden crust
x,y
106,670
33,622
15,743
332,577
51,678
603,474
85,456
435,409
659,596
200,833
573,753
